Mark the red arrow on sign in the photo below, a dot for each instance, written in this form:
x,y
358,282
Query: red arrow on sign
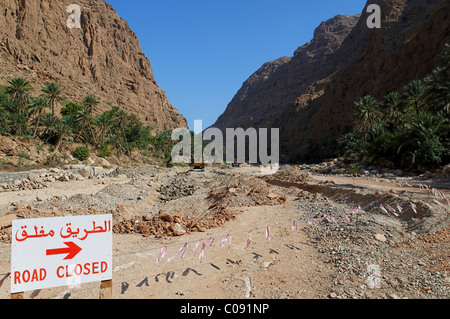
x,y
72,250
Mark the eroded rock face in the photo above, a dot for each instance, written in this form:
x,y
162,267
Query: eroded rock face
x,y
377,61
103,57
311,95
277,84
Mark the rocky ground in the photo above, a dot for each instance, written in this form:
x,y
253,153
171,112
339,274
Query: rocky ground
x,y
346,245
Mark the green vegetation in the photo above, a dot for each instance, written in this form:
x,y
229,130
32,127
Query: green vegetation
x,y
114,131
81,153
410,128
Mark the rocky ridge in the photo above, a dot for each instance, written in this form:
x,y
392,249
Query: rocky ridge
x,y
277,84
310,96
103,57
377,61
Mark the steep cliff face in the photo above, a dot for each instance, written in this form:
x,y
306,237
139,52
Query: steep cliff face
x,y
277,84
310,96
103,57
376,61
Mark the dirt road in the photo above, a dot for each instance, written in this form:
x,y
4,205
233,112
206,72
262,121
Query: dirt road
x,y
328,256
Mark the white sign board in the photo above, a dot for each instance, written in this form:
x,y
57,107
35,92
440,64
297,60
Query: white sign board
x,y
60,251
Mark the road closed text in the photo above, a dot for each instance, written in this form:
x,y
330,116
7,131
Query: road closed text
x,y
80,270
27,276
39,275
60,251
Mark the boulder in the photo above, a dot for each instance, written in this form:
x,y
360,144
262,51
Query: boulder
x,y
83,170
177,229
446,170
381,238
34,176
102,162
8,146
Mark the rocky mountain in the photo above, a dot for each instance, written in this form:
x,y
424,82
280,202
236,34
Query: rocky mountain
x,y
277,84
313,103
103,57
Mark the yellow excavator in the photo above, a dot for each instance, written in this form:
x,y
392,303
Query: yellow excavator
x,y
193,165
199,165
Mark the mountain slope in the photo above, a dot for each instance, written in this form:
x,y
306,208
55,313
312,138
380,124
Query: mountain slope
x,y
310,96
277,84
378,61
103,57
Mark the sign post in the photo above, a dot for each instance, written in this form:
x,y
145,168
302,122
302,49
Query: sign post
x,y
60,251
106,289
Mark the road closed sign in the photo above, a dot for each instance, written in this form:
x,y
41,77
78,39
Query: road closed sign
x,y
60,251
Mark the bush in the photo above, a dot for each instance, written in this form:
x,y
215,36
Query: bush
x,y
105,151
71,109
431,151
81,153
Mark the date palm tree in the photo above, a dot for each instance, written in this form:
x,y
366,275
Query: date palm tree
x,y
437,92
38,105
90,102
63,128
367,115
414,95
426,137
392,108
48,120
18,90
115,140
86,121
52,93
104,124
121,119
445,57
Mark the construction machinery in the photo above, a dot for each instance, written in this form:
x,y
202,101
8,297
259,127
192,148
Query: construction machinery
x,y
197,165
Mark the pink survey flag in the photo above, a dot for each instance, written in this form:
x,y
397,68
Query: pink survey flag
x,y
427,204
182,251
439,203
268,233
196,245
210,241
393,211
223,242
384,209
346,216
331,219
202,251
295,225
357,210
161,255
249,241
414,208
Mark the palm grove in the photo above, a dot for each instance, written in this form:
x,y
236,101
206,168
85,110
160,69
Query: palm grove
x,y
115,130
410,128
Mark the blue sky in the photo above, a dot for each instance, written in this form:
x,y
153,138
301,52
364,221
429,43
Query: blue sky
x,y
202,51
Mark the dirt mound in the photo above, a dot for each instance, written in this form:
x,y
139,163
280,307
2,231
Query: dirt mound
x,y
203,210
166,225
177,187
245,193
289,174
